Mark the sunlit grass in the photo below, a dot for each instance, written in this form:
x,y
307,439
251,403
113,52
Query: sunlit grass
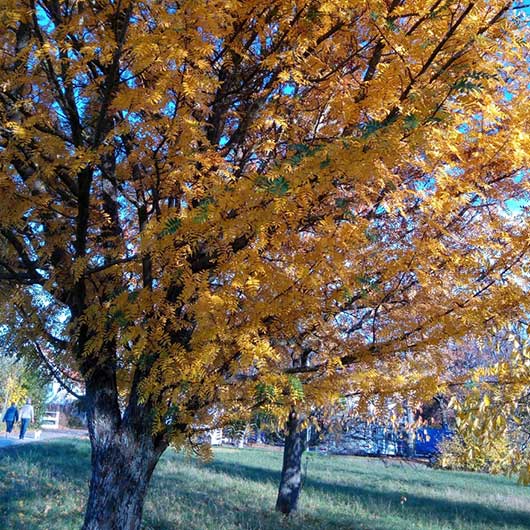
x,y
44,487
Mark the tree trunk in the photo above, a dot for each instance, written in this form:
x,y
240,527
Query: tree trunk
x,y
442,403
124,455
243,437
410,434
291,477
122,466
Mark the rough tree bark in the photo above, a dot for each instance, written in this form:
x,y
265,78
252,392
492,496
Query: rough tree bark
x,y
122,466
124,455
291,476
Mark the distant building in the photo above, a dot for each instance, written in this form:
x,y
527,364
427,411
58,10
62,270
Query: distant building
x,y
374,436
59,396
373,439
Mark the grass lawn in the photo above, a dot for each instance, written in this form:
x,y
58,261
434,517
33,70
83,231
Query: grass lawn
x,y
44,486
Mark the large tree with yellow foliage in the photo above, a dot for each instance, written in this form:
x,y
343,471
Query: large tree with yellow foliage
x,y
207,202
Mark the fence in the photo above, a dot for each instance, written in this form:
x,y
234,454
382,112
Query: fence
x,y
50,419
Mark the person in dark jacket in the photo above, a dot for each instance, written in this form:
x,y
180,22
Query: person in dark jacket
x,y
10,417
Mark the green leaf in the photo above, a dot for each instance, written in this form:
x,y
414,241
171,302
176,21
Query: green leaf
x,y
471,82
172,225
132,296
301,151
120,318
372,126
325,163
265,392
391,24
313,14
348,295
296,387
202,210
371,236
278,186
365,280
411,122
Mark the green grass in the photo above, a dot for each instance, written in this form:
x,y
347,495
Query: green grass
x,y
44,487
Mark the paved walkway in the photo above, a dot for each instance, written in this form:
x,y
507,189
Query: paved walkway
x,y
9,440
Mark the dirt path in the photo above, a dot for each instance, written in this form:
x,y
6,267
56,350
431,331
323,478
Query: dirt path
x,y
9,440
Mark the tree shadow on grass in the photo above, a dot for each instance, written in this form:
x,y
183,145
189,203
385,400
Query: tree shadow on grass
x,y
408,473
215,504
417,507
36,477
53,494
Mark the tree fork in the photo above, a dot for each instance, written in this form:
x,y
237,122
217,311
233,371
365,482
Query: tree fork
x,y
124,454
122,465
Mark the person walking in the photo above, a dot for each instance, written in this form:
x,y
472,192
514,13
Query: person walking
x,y
10,417
27,415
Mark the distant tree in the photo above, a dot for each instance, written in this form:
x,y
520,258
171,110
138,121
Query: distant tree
x,y
11,390
19,380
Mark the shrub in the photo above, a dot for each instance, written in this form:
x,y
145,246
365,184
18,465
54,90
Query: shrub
x,y
468,453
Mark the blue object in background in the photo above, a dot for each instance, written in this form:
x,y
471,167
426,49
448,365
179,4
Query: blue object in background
x,y
428,439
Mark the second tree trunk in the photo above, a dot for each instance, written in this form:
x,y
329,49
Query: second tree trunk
x,y
291,477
